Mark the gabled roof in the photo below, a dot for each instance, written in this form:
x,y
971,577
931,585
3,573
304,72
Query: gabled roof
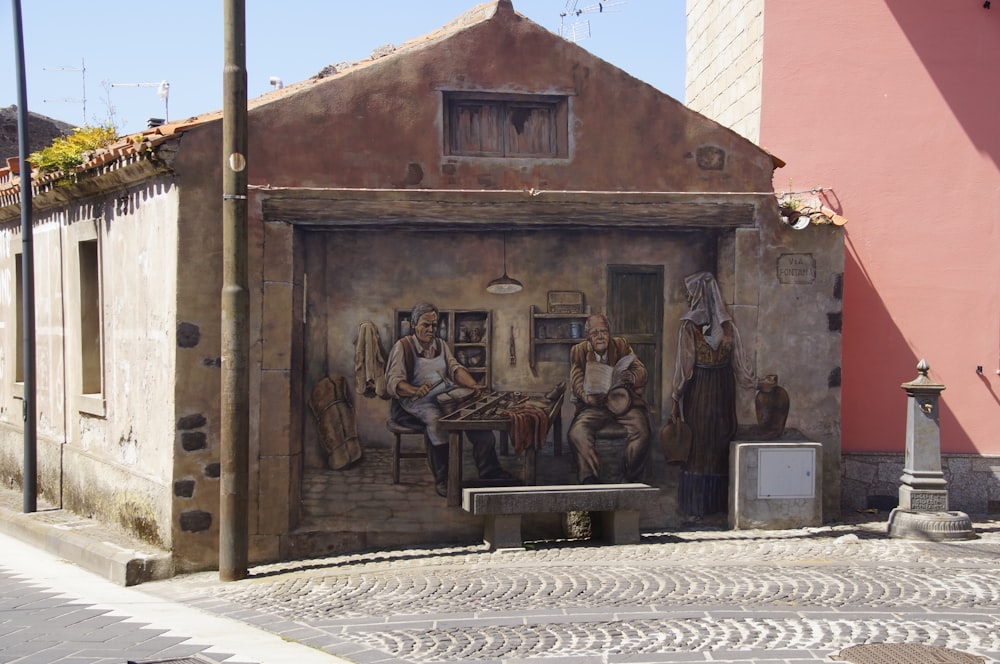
x,y
151,148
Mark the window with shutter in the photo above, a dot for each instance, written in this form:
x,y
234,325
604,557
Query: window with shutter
x,y
481,125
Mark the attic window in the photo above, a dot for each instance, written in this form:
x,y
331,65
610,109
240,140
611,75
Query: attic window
x,y
485,125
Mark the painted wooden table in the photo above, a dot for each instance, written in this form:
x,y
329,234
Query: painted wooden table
x,y
487,413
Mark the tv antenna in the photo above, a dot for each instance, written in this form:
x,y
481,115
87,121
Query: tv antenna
x,y
578,27
83,77
162,91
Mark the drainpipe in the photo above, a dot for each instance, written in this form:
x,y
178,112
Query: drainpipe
x,y
235,407
29,480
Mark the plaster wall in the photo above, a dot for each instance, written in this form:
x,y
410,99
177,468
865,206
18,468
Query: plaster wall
x,y
101,454
49,398
890,110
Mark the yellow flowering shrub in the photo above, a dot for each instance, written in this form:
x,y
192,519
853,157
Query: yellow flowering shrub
x,y
67,152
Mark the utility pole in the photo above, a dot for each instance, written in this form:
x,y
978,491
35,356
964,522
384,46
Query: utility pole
x,y
235,407
29,481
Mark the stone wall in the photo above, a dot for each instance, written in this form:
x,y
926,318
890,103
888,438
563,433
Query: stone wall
x,y
725,49
871,480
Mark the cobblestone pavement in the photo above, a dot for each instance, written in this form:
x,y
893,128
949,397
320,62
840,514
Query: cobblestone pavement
x,y
693,596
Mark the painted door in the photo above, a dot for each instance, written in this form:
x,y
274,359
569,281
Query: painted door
x,y
635,306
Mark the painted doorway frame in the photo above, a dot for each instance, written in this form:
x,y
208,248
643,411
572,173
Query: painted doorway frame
x,y
641,326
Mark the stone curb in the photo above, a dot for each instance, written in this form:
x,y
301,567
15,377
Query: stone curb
x,y
85,543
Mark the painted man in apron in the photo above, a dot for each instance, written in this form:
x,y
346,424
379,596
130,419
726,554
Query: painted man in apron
x,y
420,367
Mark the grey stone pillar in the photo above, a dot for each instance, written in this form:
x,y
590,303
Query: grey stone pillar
x,y
923,495
923,485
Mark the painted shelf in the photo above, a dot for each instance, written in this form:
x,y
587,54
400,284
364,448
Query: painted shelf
x,y
553,330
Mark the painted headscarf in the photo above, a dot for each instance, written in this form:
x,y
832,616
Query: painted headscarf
x,y
707,311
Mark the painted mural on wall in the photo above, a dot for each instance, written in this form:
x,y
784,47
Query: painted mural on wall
x,y
426,382
338,435
541,386
711,363
608,382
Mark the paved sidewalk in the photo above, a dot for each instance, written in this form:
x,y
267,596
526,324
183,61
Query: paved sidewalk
x,y
708,595
54,612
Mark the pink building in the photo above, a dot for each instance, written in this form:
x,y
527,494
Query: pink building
x,y
891,110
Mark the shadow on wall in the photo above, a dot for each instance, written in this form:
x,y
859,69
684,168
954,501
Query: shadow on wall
x,y
959,45
874,340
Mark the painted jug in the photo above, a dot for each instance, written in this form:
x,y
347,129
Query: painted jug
x,y
772,407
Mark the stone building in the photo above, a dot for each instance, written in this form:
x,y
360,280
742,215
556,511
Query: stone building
x,y
370,193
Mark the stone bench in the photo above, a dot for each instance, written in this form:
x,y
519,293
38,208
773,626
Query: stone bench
x,y
502,507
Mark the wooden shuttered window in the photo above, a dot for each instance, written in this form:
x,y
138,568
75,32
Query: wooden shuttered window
x,y
505,127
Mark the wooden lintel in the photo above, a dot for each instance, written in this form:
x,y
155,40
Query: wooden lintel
x,y
426,210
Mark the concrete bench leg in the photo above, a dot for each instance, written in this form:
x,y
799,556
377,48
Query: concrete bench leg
x,y
503,531
620,526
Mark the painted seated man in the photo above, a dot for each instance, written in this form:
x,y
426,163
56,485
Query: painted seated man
x,y
420,367
594,411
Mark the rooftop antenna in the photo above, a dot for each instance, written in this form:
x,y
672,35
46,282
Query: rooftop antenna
x,y
83,77
162,91
577,27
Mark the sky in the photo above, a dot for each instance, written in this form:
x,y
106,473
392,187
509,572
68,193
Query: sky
x,y
99,50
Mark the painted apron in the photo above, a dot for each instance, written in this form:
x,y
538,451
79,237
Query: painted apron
x,y
434,371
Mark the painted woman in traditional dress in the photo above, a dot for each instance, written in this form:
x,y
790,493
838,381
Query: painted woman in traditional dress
x,y
710,364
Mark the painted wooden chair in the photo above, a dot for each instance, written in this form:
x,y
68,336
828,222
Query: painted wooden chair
x,y
399,424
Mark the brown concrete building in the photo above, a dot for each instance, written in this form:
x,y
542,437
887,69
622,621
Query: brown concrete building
x,y
420,174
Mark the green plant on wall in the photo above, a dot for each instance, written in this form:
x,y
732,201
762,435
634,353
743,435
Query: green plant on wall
x,y
67,152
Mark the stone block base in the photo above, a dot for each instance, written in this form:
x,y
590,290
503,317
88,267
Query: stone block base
x,y
923,500
619,526
502,531
775,485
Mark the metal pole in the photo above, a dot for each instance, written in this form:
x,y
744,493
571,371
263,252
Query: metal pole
x,y
29,482
233,522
